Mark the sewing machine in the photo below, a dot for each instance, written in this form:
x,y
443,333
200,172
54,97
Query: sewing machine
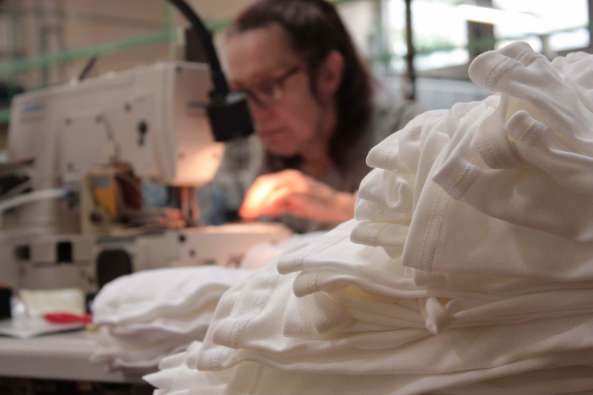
x,y
85,147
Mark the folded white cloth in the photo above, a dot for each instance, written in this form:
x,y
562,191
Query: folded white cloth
x,y
524,169
523,377
119,354
315,335
152,294
146,315
453,278
149,314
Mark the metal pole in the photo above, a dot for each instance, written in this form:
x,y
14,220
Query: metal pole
x,y
590,24
410,92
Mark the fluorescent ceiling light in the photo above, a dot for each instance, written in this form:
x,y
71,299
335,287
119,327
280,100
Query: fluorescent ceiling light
x,y
493,16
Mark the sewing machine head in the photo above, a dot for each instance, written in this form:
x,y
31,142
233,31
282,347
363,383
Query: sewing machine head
x,y
99,138
152,119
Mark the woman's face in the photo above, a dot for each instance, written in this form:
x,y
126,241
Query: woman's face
x,y
288,116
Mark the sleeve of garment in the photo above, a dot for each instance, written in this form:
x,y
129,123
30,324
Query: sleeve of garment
x,y
387,196
390,115
530,163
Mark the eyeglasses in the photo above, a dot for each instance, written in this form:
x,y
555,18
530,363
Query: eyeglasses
x,y
270,91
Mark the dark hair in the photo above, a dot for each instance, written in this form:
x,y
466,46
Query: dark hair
x,y
314,29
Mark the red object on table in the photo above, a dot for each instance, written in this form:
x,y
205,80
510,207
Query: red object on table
x,y
67,318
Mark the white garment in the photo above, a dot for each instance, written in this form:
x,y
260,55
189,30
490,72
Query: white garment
x,y
434,287
518,168
143,355
151,294
522,377
251,324
149,314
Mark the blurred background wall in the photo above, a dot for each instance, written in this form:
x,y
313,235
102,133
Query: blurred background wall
x,y
46,42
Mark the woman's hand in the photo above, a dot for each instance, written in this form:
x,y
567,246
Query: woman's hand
x,y
292,192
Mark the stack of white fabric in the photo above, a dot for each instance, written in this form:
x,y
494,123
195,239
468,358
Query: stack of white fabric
x,y
146,315
467,270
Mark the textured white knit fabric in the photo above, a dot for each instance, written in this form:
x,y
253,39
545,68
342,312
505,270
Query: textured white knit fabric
x,y
146,315
467,268
523,377
146,295
524,168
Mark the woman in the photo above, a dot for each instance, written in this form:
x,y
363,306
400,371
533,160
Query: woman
x,y
317,113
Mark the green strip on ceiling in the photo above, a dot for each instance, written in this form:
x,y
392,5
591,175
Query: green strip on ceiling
x,y
29,64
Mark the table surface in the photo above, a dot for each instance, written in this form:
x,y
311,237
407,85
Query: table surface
x,y
60,356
